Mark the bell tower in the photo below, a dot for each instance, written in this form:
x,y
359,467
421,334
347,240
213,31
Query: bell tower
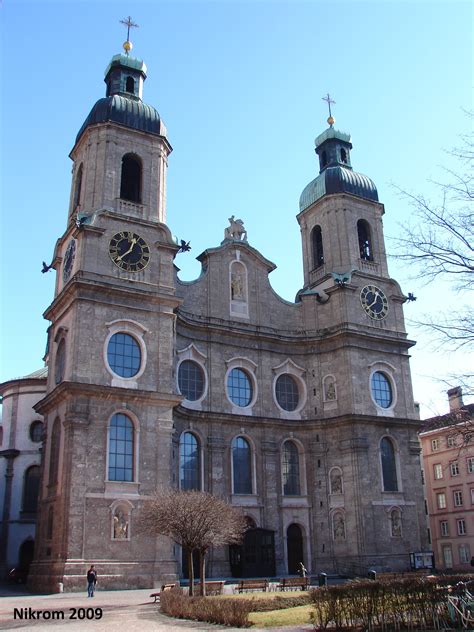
x,y
340,215
111,389
121,151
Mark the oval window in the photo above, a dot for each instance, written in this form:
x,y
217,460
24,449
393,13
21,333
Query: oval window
x,y
36,431
191,380
287,394
381,389
239,387
124,355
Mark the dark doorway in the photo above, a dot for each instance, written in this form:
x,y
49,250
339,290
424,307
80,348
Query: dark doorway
x,y
25,554
255,557
184,564
294,540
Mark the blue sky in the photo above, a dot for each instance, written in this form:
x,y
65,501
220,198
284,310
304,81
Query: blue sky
x,y
239,86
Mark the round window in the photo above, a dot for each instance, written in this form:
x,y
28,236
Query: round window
x,y
287,394
124,355
191,380
381,389
36,431
239,387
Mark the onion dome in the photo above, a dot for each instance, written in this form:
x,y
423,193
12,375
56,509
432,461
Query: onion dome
x,y
336,174
124,77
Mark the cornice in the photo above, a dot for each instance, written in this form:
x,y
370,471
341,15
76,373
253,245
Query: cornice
x,y
67,390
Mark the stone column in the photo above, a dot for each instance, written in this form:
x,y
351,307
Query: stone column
x,y
10,456
270,493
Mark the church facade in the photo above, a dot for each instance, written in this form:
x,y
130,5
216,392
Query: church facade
x,y
300,413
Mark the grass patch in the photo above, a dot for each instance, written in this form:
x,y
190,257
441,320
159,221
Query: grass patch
x,y
289,616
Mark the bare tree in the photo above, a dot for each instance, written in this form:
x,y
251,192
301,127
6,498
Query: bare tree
x,y
194,520
440,243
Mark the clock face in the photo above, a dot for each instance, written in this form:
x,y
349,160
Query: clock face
x,y
129,251
374,302
69,259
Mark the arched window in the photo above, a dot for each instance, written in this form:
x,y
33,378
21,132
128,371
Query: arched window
x,y
78,187
131,182
389,467
54,451
335,480
338,526
60,361
121,448
291,469
317,242
189,462
365,242
130,85
191,380
242,466
381,389
324,158
343,155
31,489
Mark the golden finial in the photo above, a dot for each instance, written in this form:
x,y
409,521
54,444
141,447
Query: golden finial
x,y
127,46
331,119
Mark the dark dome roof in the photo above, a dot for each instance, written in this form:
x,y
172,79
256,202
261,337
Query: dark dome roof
x,y
338,180
124,111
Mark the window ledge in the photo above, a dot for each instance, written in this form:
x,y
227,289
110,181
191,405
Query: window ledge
x,y
245,500
122,487
294,501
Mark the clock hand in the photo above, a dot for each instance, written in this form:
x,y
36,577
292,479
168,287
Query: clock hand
x,y
376,294
134,241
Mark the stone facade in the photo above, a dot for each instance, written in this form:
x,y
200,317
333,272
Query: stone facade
x,y
448,466
331,467
21,438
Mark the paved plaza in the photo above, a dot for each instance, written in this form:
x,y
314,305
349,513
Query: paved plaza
x,y
122,610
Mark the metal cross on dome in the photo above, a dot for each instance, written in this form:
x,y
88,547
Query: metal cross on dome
x,y
328,100
129,24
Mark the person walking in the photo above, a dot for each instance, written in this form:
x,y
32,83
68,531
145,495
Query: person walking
x,y
91,581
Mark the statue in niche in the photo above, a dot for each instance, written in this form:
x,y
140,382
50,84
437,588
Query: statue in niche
x,y
236,230
339,527
330,391
237,286
396,523
336,482
120,525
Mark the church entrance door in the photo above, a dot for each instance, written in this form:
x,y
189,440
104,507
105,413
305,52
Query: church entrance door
x,y
294,541
255,557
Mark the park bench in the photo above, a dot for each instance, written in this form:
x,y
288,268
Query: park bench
x,y
252,584
212,588
292,583
164,587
